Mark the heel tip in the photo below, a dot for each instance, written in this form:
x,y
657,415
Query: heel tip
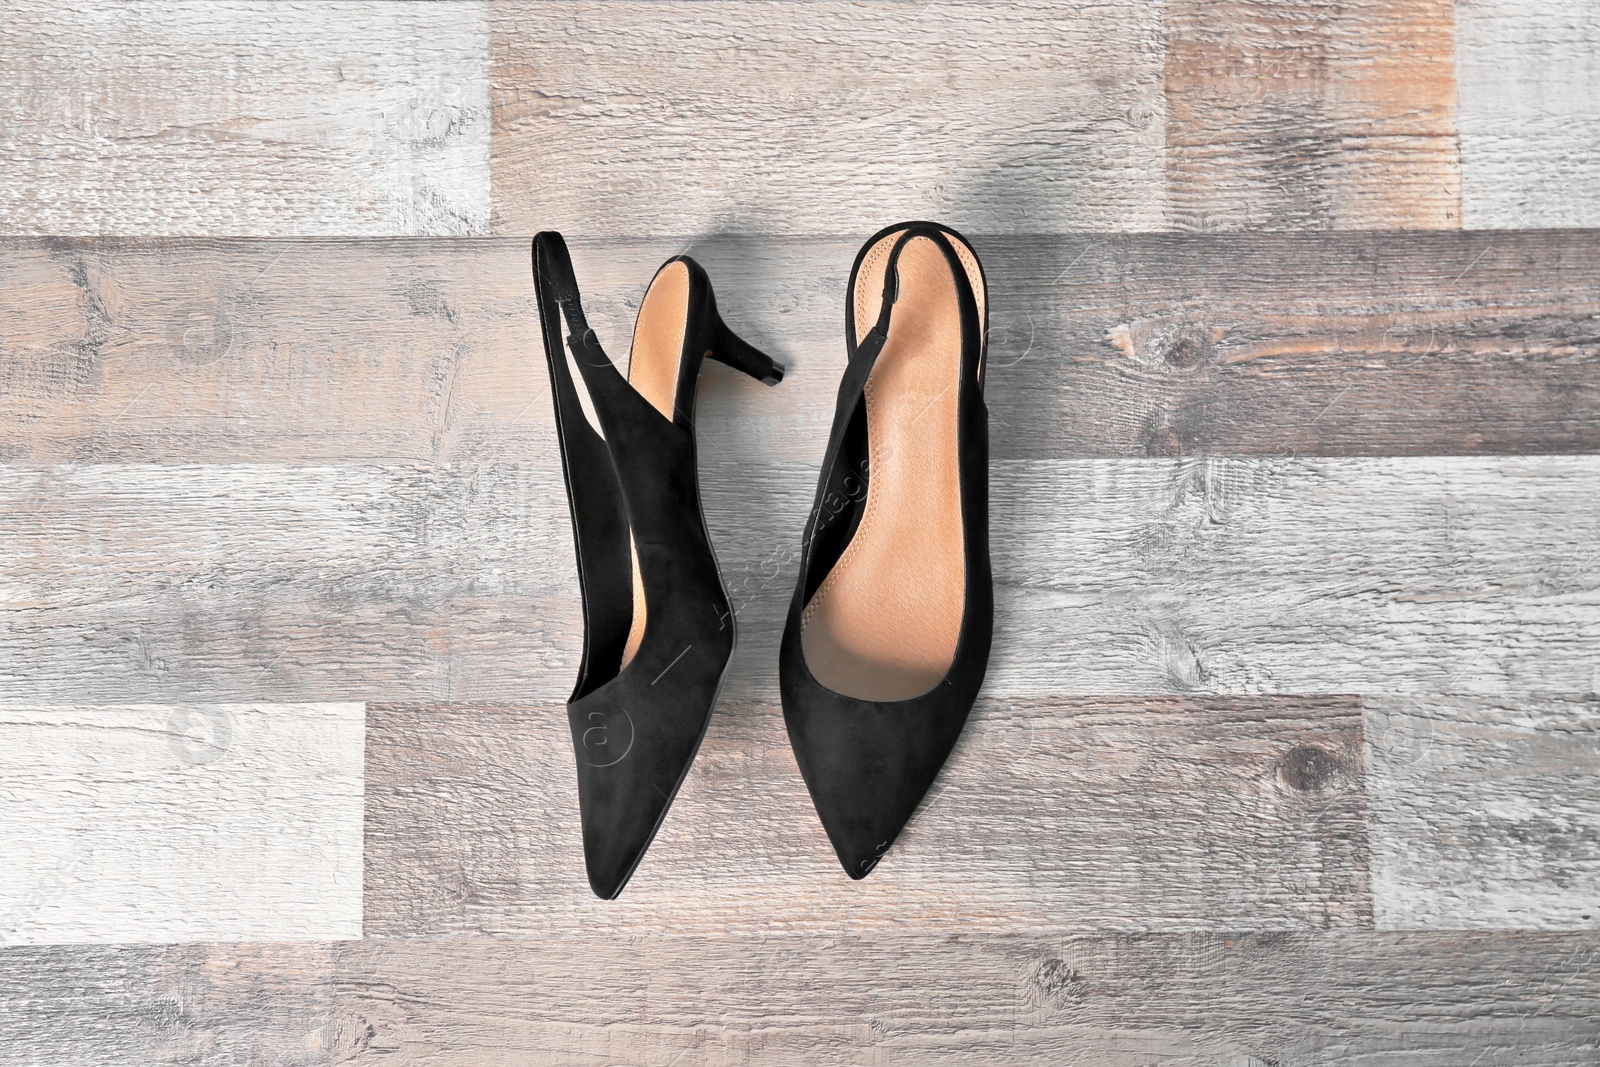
x,y
775,375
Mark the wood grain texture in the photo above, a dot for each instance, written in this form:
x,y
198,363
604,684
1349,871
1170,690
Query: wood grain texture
x,y
1485,813
180,823
1530,113
1374,999
244,117
1102,345
200,1005
1364,575
255,350
230,582
454,582
1246,813
1311,115
826,117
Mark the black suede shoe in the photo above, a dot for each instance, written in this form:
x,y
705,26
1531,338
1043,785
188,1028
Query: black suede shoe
x,y
658,627
888,634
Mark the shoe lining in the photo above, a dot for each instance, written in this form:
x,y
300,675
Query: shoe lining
x,y
654,365
884,623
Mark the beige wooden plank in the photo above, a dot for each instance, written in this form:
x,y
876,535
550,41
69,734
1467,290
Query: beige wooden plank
x,y
167,823
253,350
1530,113
1103,345
1154,813
826,117
1374,999
1485,812
1311,115
244,117
454,582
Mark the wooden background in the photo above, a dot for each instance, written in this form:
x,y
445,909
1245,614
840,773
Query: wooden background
x,y
1290,744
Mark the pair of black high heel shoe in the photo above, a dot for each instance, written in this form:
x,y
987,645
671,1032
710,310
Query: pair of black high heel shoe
x,y
888,632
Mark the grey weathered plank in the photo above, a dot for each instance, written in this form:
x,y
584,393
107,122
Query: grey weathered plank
x,y
1158,813
1309,344
1529,113
1485,813
1103,345
436,582
1364,575
1337,998
180,823
244,117
824,117
1373,999
202,1005
233,582
1305,114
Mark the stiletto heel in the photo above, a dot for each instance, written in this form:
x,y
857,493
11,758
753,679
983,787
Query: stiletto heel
x,y
658,628
888,634
730,349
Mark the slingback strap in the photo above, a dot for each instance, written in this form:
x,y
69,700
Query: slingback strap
x,y
863,356
594,495
872,341
553,270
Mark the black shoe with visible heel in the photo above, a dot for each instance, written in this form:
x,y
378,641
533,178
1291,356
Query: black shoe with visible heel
x,y
658,627
888,635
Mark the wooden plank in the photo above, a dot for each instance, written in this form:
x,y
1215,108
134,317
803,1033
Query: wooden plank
x,y
1156,813
1485,813
236,582
175,823
1306,344
1530,113
253,350
242,117
1364,575
781,998
1238,344
826,117
1347,997
454,582
1311,115
111,1006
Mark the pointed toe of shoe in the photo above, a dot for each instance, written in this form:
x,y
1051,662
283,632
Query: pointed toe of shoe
x,y
629,771
610,868
621,812
868,766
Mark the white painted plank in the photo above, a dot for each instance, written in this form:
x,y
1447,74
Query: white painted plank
x,y
176,823
828,117
1529,113
244,117
1485,814
455,583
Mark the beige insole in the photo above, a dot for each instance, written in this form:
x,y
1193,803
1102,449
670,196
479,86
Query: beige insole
x,y
653,368
884,623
